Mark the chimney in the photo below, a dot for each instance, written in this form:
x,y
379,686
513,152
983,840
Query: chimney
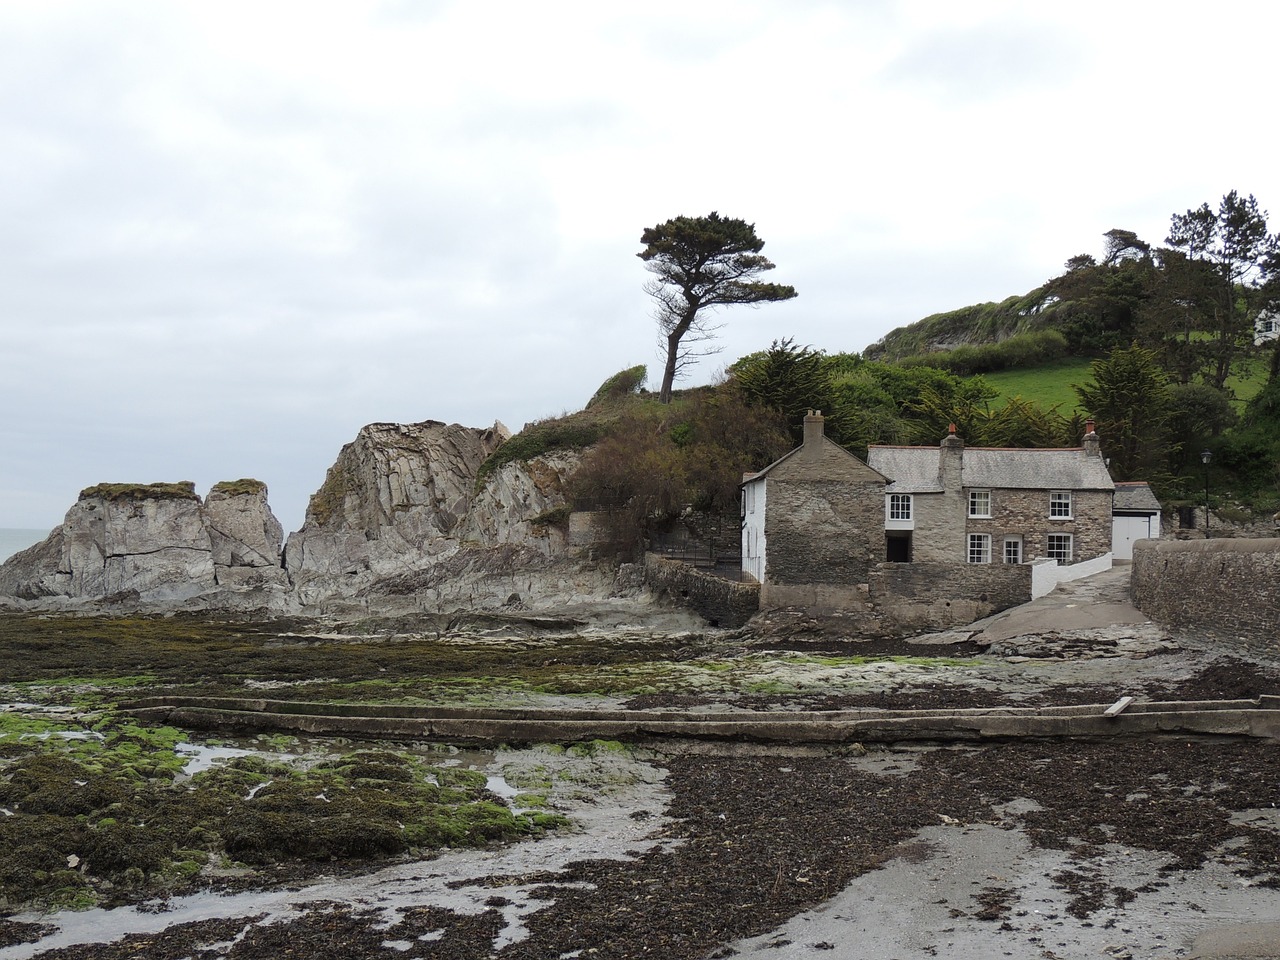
x,y
951,461
813,431
1091,443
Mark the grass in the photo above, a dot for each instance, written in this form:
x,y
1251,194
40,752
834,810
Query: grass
x,y
1052,384
1048,386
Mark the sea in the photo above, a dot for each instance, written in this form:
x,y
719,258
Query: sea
x,y
12,540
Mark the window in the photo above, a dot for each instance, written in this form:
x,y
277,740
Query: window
x,y
979,548
979,503
1012,549
899,506
1060,505
1060,547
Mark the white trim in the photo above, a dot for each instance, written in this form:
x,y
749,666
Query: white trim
x,y
1047,574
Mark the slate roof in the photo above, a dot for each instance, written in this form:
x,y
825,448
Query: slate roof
x,y
827,444
1135,497
915,469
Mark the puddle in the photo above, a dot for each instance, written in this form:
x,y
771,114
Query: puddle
x,y
203,757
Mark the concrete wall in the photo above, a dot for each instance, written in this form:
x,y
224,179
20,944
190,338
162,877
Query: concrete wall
x,y
1228,588
721,602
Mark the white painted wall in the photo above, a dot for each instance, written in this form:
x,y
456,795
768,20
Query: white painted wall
x,y
1047,574
753,545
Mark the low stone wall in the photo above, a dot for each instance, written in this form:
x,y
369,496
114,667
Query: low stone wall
x,y
930,596
721,602
1228,588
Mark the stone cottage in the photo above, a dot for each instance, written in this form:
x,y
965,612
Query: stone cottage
x,y
995,504
813,524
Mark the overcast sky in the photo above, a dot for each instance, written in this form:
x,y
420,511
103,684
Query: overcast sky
x,y
232,233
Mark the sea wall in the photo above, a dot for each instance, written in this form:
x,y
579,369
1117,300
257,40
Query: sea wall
x,y
908,597
721,602
1228,588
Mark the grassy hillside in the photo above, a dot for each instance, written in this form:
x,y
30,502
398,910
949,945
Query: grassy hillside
x,y
1047,386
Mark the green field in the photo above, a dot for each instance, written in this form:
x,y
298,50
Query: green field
x,y
1047,386
1052,385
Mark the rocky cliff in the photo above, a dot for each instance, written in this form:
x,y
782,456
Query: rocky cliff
x,y
399,524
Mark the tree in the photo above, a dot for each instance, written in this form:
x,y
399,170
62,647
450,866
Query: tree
x,y
1218,271
700,264
790,379
1131,401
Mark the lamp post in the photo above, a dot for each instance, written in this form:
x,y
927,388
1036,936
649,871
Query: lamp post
x,y
1205,457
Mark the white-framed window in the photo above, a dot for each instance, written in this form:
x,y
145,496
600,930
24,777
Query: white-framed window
x,y
899,506
1060,505
1012,549
980,503
979,548
1059,547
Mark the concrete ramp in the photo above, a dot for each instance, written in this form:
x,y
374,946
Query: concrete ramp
x,y
1235,718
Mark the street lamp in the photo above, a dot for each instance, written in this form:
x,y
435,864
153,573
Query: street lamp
x,y
1205,457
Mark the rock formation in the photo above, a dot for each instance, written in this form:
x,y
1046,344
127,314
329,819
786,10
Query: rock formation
x,y
400,524
155,543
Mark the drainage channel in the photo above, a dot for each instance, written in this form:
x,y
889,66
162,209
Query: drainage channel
x,y
1125,717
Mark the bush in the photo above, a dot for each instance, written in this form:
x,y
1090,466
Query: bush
x,y
538,438
624,383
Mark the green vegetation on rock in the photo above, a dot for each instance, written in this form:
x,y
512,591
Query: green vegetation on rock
x,y
239,488
114,492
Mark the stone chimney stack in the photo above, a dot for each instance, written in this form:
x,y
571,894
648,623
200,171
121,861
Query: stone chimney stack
x,y
813,431
1092,443
951,461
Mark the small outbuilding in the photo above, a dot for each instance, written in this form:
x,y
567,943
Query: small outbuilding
x,y
1135,516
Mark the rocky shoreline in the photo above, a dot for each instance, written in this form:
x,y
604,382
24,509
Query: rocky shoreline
x,y
1143,848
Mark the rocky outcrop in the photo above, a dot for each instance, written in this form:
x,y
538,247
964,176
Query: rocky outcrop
x,y
392,501
401,524
154,543
244,534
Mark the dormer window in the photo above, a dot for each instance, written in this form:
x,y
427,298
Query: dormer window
x,y
899,506
1060,505
980,503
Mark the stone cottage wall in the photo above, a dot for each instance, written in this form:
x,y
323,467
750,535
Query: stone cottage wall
x,y
824,531
1227,588
1026,513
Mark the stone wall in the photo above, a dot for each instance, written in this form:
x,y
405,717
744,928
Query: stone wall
x,y
1025,513
721,602
1227,588
907,597
824,531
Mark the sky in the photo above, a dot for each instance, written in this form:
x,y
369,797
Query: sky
x,y
233,233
